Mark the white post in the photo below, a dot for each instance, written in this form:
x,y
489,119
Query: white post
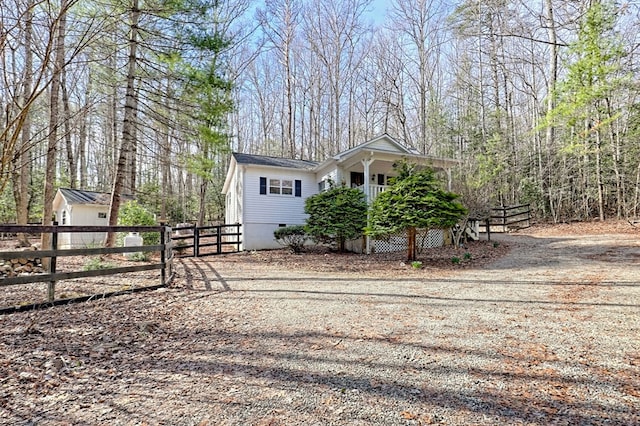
x,y
366,162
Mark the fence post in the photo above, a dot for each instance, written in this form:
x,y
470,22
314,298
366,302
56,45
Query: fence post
x,y
51,288
219,239
163,253
196,240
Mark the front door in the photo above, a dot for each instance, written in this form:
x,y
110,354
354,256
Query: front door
x,y
357,179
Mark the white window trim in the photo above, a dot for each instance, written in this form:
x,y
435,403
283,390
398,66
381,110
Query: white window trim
x,y
280,186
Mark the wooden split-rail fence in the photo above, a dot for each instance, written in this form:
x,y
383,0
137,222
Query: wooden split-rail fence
x,y
28,266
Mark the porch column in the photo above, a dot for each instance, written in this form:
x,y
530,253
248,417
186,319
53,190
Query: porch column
x,y
366,162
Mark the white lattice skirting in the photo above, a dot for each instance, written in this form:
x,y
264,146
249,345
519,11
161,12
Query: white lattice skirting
x,y
398,242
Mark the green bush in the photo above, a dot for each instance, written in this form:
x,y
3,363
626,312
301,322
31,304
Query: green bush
x,y
336,216
96,263
293,237
139,257
133,214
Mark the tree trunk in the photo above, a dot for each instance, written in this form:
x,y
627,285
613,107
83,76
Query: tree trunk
x,y
203,202
71,161
127,125
599,180
83,133
23,166
411,244
54,119
545,182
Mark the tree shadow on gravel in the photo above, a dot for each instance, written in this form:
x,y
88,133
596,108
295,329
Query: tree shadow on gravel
x,y
456,302
121,364
302,286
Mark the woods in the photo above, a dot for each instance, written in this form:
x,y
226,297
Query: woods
x,y
539,100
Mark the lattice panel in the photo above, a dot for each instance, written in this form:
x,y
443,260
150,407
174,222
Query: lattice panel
x,y
398,242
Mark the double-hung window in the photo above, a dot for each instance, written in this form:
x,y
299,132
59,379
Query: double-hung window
x,y
276,186
281,186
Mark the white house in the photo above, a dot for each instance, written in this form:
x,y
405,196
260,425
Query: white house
x,y
81,208
264,193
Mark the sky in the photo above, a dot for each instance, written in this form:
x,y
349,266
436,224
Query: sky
x,y
379,10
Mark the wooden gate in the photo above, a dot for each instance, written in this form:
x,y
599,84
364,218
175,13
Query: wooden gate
x,y
191,240
506,218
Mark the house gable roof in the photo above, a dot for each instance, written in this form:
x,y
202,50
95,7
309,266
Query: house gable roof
x,y
382,143
263,160
384,146
79,196
241,159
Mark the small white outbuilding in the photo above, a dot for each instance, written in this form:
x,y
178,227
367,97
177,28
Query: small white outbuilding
x,y
82,208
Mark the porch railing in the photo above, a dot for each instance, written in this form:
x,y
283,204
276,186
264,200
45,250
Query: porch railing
x,y
374,191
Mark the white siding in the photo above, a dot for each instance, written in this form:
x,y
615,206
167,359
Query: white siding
x,y
259,236
383,144
263,213
83,215
270,208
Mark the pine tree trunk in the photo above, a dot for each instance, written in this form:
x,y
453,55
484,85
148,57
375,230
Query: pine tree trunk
x,y
71,161
127,126
54,119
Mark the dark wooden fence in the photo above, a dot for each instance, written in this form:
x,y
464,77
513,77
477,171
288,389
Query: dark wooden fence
x,y
504,218
198,241
50,256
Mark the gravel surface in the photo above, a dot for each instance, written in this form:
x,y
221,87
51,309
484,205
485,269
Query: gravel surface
x,y
547,334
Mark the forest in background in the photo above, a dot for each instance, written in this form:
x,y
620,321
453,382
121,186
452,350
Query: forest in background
x,y
538,99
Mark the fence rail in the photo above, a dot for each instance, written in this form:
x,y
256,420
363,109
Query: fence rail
x,y
504,218
50,255
222,238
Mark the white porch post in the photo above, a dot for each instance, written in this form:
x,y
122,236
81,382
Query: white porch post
x,y
366,162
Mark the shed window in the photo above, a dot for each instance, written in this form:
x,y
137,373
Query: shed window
x,y
64,217
102,215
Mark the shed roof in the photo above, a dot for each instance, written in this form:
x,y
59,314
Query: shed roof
x,y
79,196
263,160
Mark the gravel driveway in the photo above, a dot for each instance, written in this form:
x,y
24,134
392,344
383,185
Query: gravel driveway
x,y
549,334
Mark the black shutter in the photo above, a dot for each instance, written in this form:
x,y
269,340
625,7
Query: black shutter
x,y
298,188
263,185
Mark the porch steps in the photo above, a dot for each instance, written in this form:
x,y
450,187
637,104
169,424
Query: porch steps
x,y
472,230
